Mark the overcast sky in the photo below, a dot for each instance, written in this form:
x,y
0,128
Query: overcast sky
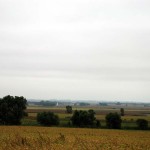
x,y
75,49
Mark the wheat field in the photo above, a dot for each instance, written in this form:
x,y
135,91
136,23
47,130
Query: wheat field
x,y
53,138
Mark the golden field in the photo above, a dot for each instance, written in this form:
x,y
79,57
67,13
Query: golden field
x,y
53,138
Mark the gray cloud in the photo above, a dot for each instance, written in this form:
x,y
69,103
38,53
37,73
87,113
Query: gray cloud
x,y
72,49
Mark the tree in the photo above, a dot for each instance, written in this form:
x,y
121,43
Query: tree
x,y
12,110
142,124
47,118
98,123
91,116
69,109
103,104
113,120
122,111
83,118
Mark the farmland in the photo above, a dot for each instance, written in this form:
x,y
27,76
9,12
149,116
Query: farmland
x,y
50,138
128,121
32,136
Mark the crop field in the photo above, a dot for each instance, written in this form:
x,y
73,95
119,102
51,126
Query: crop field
x,y
53,138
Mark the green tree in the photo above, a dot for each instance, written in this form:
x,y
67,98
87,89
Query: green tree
x,y
12,110
47,118
91,116
122,111
83,118
113,120
142,124
69,109
98,123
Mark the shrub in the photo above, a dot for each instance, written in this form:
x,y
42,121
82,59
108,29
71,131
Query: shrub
x,y
113,121
47,118
142,124
83,118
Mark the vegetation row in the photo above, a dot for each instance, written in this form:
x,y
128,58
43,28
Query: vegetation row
x,y
12,110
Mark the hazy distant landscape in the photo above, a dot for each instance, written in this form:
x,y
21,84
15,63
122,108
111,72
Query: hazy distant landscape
x,y
30,134
133,111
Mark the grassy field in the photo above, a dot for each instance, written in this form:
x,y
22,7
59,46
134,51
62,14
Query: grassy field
x,y
52,138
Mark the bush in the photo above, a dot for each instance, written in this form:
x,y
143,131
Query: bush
x,y
12,110
113,121
83,118
142,124
47,118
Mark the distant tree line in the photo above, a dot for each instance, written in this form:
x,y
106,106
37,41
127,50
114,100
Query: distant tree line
x,y
46,103
103,104
83,104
